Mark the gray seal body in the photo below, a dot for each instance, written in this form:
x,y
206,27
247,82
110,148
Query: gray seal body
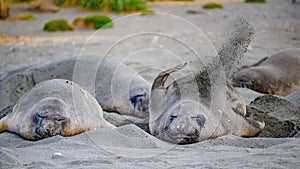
x,y
54,107
202,105
116,86
181,112
278,74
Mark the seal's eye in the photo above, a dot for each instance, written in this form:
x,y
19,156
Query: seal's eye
x,y
137,100
171,118
200,119
245,83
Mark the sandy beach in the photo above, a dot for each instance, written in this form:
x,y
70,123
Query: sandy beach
x,y
149,44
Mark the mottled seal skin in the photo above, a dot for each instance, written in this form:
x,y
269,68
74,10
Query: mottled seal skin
x,y
178,114
116,86
54,107
278,74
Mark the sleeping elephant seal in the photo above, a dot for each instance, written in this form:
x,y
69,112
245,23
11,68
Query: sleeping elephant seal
x,y
116,86
54,107
278,74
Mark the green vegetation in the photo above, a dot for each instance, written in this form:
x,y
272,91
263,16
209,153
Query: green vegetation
x,y
111,5
170,0
93,21
212,6
58,25
19,1
257,1
127,5
24,17
92,4
99,21
65,3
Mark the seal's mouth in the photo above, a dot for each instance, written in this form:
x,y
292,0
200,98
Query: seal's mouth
x,y
188,140
184,137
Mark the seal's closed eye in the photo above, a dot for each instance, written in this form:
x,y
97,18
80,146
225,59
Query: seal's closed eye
x,y
245,83
139,102
37,119
171,118
200,119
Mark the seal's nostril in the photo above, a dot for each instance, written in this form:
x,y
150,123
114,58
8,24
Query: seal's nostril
x,y
40,131
193,133
197,132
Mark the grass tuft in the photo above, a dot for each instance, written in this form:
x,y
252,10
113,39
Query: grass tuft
x,y
58,25
93,21
110,5
23,17
212,6
65,3
99,21
255,1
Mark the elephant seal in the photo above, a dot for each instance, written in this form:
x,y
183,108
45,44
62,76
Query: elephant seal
x,y
116,86
54,107
178,116
278,74
202,105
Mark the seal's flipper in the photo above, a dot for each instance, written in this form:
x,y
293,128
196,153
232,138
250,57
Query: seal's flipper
x,y
160,80
250,128
3,125
157,99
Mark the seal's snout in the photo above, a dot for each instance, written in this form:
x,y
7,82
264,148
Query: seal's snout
x,y
186,127
48,119
193,133
180,126
47,126
41,132
188,130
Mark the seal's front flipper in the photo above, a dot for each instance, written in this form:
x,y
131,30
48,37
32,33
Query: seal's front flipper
x,y
160,80
157,98
3,125
251,128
